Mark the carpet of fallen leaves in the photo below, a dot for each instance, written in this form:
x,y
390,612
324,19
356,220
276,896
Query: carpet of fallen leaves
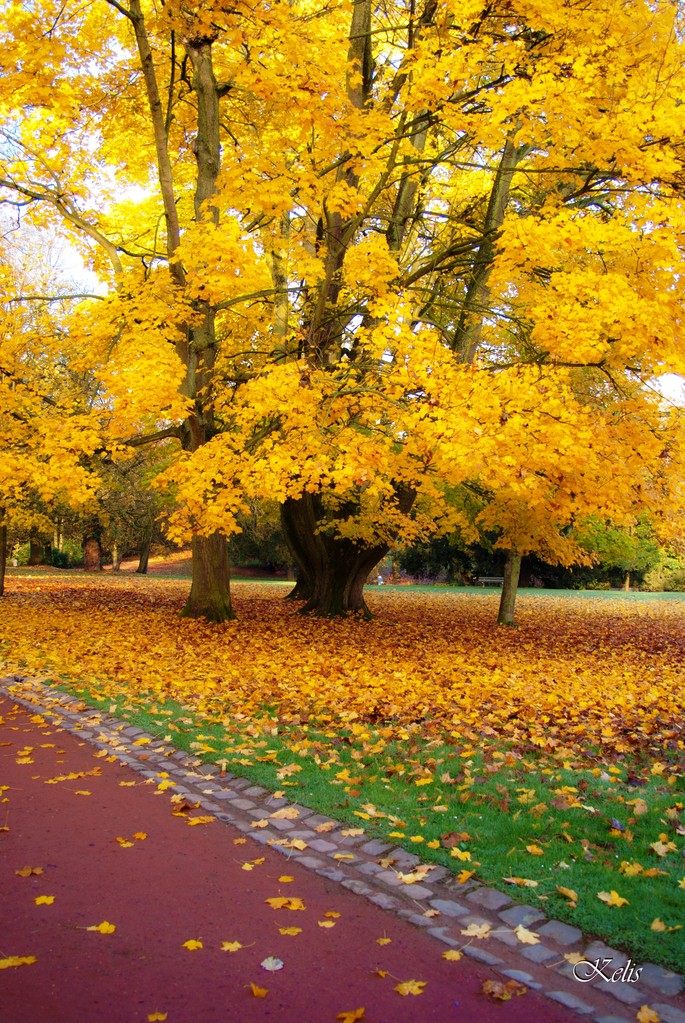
x,y
577,675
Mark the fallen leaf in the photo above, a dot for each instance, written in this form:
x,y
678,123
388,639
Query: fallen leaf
x,y
288,813
503,992
453,955
477,931
350,1017
410,987
44,900
326,923
271,963
612,898
290,930
326,826
258,992
192,945
383,941
157,1017
231,946
526,937
104,928
647,1015
12,961
282,902
286,879
28,871
192,821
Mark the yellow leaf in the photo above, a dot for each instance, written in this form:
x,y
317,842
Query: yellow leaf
x,y
568,893
383,941
12,961
140,836
192,945
612,898
193,821
535,850
526,937
286,813
28,871
410,987
477,931
44,900
326,923
286,879
453,955
258,992
647,1015
282,902
104,928
350,1017
231,946
157,1017
290,930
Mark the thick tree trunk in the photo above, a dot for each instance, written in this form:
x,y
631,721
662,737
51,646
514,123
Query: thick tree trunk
x,y
512,568
209,593
3,557
35,552
332,570
144,559
626,582
92,548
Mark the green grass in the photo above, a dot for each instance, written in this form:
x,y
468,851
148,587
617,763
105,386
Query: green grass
x,y
501,800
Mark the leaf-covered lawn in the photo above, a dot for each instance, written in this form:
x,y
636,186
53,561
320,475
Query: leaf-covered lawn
x,y
548,760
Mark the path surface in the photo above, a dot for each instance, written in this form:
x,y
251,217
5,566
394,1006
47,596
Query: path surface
x,y
72,809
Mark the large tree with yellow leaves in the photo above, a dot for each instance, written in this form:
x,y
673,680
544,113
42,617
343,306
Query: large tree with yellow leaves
x,y
386,263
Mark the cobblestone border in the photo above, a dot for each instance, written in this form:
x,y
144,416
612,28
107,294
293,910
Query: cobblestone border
x,y
236,801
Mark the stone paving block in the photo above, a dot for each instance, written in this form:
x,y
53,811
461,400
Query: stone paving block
x,y
523,978
661,980
417,919
245,804
539,954
356,886
417,891
321,845
488,898
375,847
331,873
255,792
611,1019
383,900
442,934
623,992
282,824
304,811
310,862
448,907
668,1013
524,915
349,841
404,860
561,933
482,956
507,937
315,819
598,950
570,1001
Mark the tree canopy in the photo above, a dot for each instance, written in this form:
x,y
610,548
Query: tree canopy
x,y
404,267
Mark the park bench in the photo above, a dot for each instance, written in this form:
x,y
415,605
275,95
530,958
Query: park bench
x,y
490,580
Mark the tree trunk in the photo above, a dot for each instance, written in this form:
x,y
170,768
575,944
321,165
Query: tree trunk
x,y
3,557
332,570
209,593
626,582
512,568
35,551
144,558
92,548
116,558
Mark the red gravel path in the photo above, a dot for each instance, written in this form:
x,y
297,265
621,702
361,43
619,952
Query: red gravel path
x,y
182,883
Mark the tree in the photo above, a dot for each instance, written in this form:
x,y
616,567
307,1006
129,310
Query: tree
x,y
383,254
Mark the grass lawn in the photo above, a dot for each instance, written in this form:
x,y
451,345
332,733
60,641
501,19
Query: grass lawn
x,y
547,760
